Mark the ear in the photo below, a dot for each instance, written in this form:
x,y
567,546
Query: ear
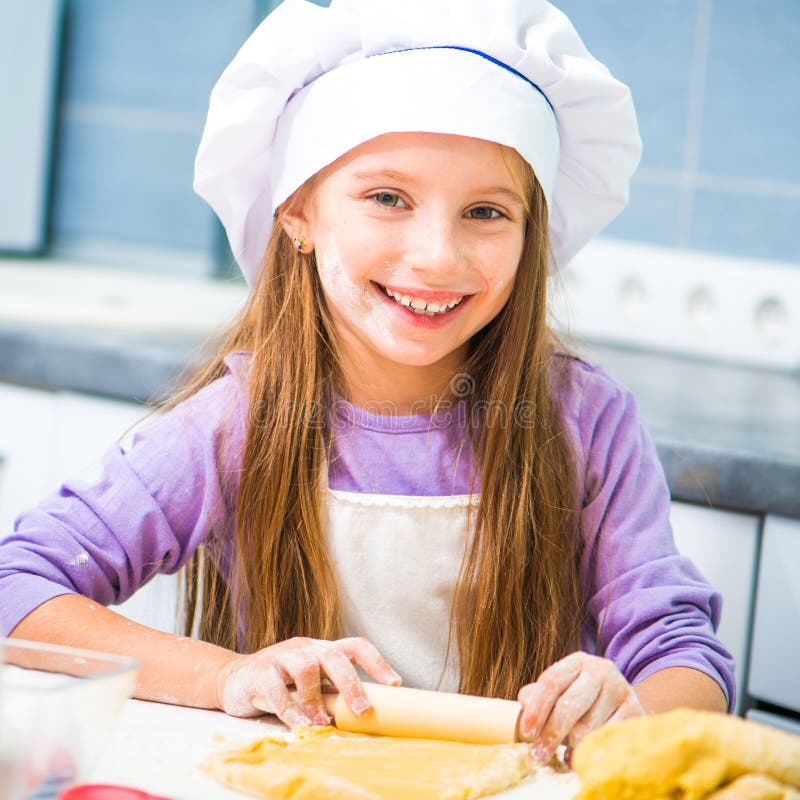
x,y
293,216
292,223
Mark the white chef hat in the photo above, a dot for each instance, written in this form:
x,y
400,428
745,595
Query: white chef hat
x,y
311,83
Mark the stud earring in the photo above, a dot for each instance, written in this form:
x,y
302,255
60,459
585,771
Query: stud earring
x,y
299,243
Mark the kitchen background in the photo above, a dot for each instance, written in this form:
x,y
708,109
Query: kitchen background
x,y
715,85
104,105
112,270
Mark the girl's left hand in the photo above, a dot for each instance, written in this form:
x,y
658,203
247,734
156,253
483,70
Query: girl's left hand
x,y
571,698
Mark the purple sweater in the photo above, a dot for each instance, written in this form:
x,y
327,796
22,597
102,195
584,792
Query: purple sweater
x,y
649,608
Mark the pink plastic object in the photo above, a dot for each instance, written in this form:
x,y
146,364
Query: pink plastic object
x,y
102,791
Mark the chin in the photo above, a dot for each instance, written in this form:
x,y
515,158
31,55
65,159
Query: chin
x,y
411,359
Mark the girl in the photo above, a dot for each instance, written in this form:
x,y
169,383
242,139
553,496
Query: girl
x,y
390,463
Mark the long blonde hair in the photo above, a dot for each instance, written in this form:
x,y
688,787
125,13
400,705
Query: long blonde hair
x,y
516,606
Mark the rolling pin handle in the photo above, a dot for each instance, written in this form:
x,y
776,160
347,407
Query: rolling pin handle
x,y
398,711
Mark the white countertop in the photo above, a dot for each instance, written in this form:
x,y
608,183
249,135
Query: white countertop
x,y
52,294
157,748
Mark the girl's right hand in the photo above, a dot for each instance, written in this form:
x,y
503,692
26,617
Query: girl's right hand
x,y
303,662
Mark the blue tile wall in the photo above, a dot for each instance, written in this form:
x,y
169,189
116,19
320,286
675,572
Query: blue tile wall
x,y
132,184
715,83
743,224
652,214
137,76
151,54
751,120
265,6
649,47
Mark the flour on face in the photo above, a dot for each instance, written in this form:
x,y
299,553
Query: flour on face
x,y
346,295
343,292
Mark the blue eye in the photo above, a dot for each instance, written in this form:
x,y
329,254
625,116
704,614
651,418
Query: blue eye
x,y
387,199
485,212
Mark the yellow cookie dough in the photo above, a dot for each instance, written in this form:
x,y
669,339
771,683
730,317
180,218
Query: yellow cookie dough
x,y
327,764
681,754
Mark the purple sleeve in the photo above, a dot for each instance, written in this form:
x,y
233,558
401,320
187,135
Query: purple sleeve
x,y
153,504
649,607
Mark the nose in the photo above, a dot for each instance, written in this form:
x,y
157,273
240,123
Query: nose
x,y
436,252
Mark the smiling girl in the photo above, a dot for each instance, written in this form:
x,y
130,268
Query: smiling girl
x,y
391,463
427,217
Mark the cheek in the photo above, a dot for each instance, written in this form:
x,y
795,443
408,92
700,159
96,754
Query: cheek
x,y
350,254
341,278
342,250
329,264
500,264
332,273
335,250
501,291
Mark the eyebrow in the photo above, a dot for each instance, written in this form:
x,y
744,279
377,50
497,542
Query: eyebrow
x,y
391,174
402,177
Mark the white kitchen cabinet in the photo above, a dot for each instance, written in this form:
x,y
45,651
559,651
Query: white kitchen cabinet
x,y
775,661
26,430
48,437
723,545
775,720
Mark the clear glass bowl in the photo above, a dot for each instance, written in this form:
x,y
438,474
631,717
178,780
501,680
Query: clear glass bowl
x,y
58,709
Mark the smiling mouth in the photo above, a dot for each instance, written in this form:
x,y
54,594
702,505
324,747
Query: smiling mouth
x,y
418,306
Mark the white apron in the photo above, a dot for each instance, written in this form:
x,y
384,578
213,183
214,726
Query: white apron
x,y
396,559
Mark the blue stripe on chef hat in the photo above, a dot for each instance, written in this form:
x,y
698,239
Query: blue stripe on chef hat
x,y
482,55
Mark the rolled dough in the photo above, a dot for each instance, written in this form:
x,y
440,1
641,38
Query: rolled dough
x,y
683,754
327,764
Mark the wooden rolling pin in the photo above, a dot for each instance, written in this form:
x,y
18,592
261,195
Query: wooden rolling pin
x,y
417,713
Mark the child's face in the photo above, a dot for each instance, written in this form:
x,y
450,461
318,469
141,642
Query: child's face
x,y
415,212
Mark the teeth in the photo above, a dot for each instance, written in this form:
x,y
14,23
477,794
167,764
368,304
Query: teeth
x,y
420,305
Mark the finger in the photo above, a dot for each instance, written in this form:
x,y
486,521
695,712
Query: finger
x,y
303,670
368,657
629,709
273,685
615,693
580,732
344,677
573,704
598,715
539,698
